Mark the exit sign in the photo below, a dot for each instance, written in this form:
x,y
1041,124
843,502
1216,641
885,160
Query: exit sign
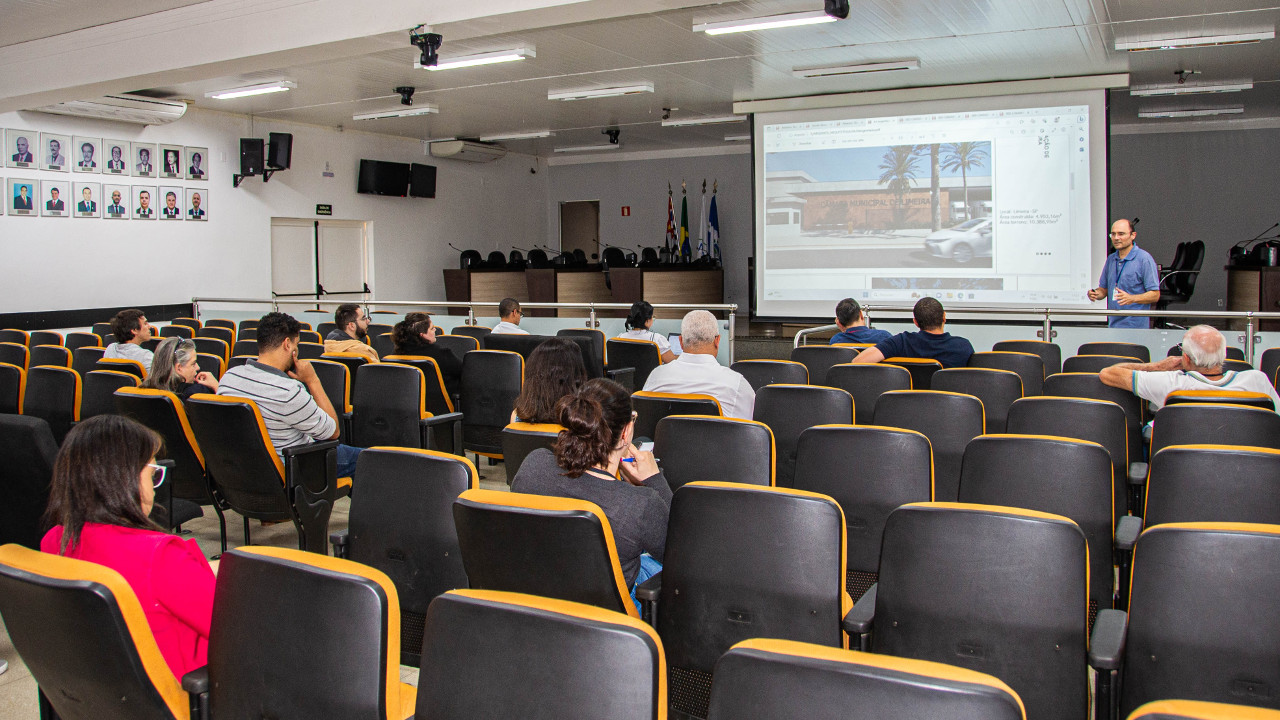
x,y
626,211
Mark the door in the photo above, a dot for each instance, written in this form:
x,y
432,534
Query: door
x,y
580,227
309,256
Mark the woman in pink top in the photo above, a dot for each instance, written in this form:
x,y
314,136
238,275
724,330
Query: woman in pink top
x,y
104,482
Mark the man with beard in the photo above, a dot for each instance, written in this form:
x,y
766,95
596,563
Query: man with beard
x,y
352,332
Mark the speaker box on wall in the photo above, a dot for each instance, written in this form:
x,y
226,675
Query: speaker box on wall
x,y
279,151
251,152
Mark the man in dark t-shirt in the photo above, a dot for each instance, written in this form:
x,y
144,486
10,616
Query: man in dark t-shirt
x,y
932,342
852,322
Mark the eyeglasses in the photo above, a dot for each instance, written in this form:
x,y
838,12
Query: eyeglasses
x,y
157,474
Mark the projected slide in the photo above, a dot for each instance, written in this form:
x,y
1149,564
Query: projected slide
x,y
981,207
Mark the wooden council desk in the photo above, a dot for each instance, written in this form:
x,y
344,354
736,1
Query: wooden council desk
x,y
679,285
1253,288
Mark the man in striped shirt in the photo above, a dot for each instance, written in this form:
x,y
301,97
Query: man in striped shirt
x,y
293,403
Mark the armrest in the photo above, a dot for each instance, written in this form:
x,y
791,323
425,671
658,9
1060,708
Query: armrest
x,y
339,542
1106,645
625,376
649,590
302,450
1137,473
859,619
443,419
1127,532
196,681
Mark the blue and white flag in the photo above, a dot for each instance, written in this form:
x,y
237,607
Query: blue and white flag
x,y
713,228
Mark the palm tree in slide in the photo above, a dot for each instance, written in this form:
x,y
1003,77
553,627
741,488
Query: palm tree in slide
x,y
964,156
899,166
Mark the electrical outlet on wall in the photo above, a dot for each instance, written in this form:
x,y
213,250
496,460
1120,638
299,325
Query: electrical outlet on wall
x,y
1221,302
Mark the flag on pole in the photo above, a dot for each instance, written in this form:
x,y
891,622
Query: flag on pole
x,y
704,246
685,250
670,244
713,225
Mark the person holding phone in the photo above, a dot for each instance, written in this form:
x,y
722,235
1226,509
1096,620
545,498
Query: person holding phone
x,y
416,335
594,460
295,408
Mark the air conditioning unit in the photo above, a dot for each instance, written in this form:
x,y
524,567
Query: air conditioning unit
x,y
121,108
467,150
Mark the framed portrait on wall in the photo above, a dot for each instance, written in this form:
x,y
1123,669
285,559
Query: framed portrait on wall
x,y
198,204
143,199
55,200
171,162
22,197
88,199
87,154
117,199
54,152
115,157
143,157
170,202
20,148
197,163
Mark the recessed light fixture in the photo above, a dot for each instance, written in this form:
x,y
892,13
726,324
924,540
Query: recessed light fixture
x,y
765,22
836,70
527,135
246,91
1202,112
736,138
1198,41
488,58
586,148
1189,88
398,112
600,92
716,120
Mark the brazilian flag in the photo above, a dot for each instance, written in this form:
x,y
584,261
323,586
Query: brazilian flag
x,y
686,252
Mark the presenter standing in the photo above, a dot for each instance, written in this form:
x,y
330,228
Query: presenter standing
x,y
1129,279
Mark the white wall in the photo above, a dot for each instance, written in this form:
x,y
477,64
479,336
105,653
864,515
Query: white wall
x,y
642,185
68,263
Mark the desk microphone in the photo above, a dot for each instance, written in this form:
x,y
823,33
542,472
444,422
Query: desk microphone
x,y
456,248
1258,236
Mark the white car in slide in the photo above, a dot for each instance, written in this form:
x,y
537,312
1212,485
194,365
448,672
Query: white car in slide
x,y
962,243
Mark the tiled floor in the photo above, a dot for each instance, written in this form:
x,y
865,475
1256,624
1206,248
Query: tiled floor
x,y
18,688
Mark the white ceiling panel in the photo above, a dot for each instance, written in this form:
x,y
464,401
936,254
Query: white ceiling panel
x,y
26,20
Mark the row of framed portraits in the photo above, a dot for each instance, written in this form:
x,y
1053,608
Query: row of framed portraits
x,y
61,198
67,153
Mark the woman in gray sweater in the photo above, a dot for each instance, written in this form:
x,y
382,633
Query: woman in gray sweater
x,y
594,460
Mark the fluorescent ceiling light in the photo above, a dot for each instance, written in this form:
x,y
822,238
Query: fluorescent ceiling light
x,y
716,120
736,138
530,135
600,92
1232,110
586,148
488,58
262,89
1200,41
767,22
833,70
408,111
1189,88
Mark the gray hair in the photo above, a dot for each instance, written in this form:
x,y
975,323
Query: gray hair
x,y
698,329
1204,347
169,355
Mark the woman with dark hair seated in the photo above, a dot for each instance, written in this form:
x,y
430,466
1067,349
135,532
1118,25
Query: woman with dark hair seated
x,y
639,320
104,481
594,460
555,369
174,368
416,335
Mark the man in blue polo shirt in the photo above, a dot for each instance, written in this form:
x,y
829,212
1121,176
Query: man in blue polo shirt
x,y
1129,279
933,341
853,325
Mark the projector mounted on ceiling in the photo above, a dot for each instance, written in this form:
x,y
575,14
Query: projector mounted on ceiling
x,y
121,108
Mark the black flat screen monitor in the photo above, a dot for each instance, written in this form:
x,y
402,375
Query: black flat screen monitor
x,y
422,181
383,178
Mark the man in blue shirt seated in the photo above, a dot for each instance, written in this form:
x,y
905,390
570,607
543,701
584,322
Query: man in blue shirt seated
x,y
933,341
1129,279
853,325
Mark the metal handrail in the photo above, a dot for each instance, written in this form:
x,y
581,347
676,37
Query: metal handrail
x,y
591,307
1047,333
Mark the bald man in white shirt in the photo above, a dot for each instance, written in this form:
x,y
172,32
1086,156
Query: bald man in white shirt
x,y
696,370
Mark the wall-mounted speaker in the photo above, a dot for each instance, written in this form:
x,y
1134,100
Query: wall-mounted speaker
x,y
251,156
279,150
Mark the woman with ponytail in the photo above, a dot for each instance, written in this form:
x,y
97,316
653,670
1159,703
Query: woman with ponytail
x,y
639,320
594,460
416,335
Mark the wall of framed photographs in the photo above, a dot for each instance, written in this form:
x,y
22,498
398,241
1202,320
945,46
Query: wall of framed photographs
x,y
85,247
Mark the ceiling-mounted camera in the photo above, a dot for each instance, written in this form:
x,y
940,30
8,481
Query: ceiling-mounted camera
x,y
429,43
613,134
406,94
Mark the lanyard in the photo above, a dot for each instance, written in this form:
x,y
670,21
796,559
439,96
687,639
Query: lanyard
x,y
1115,283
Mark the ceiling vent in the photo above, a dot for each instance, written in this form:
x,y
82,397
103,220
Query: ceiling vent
x,y
467,150
121,108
